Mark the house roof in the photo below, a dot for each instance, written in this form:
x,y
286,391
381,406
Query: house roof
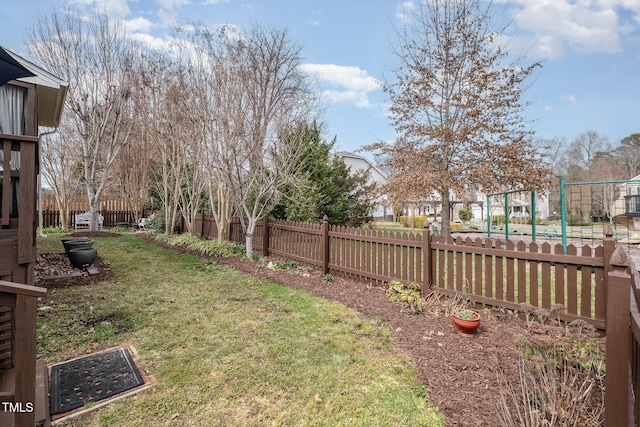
x,y
355,156
51,91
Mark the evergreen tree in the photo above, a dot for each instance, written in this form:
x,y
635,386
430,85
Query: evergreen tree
x,y
326,185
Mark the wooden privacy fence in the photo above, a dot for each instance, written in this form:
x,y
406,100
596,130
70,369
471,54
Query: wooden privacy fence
x,y
111,218
486,271
115,210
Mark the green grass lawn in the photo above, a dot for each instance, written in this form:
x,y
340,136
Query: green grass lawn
x,y
228,349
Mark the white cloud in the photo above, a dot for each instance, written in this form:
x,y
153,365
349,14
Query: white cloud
x,y
352,85
215,1
152,42
404,10
571,99
113,7
554,26
142,25
172,4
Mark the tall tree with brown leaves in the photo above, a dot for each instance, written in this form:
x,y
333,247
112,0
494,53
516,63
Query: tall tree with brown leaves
x,y
456,101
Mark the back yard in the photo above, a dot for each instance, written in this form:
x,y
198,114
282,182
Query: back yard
x,y
229,346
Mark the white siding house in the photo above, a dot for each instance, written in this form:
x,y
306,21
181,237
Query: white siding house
x,y
359,163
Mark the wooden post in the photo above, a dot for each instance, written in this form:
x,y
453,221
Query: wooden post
x,y
608,246
265,236
325,245
426,257
618,341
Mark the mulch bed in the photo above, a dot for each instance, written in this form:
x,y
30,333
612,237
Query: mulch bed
x,y
461,374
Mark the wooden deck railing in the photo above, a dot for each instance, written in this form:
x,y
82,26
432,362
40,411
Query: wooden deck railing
x,y
18,303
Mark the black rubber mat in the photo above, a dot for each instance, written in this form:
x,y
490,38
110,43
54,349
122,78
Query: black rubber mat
x,y
92,378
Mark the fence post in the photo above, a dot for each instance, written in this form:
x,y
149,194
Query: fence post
x,y
608,247
265,236
426,257
618,337
325,245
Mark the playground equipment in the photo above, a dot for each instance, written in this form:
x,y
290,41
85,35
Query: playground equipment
x,y
627,208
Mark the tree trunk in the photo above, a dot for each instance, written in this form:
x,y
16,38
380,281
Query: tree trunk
x,y
251,226
224,212
446,212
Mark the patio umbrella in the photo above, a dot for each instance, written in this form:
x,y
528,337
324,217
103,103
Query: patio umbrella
x,y
10,69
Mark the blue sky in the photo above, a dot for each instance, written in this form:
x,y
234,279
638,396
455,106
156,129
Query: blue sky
x,y
590,49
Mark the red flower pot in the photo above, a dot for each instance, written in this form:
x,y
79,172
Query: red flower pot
x,y
466,327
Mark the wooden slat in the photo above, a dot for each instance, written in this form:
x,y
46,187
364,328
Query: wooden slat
x,y
546,278
27,225
459,270
586,293
533,277
6,183
559,278
572,283
488,273
522,273
499,273
510,274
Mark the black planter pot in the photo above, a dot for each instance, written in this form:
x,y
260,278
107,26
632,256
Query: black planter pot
x,y
83,257
77,244
73,239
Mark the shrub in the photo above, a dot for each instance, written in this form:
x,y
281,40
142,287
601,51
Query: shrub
x,y
574,220
417,221
497,219
156,224
409,295
208,247
465,214
52,230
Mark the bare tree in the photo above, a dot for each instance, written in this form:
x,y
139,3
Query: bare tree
x,y
101,64
582,152
61,168
211,69
628,153
271,96
456,102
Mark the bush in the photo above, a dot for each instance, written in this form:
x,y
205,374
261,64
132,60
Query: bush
x,y
410,295
497,219
465,214
417,221
156,224
207,247
52,230
574,220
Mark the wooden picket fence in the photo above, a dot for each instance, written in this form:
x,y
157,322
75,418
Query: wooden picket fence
x,y
486,271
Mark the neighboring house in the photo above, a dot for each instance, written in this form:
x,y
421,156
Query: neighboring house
x,y
625,209
518,205
359,163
